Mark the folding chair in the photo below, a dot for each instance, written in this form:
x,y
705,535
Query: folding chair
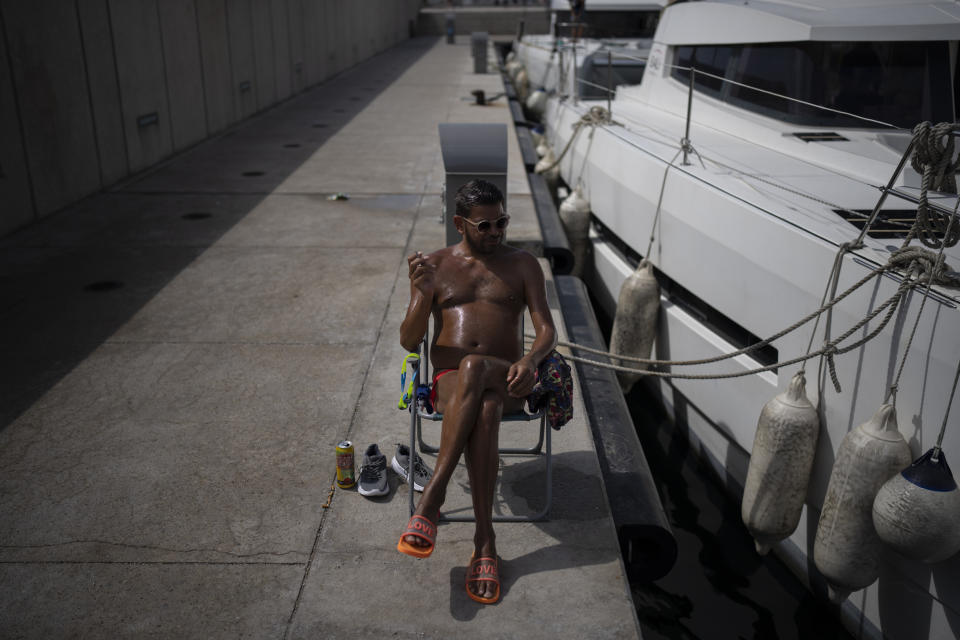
x,y
418,414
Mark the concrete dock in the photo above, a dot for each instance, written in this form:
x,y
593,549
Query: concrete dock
x,y
182,352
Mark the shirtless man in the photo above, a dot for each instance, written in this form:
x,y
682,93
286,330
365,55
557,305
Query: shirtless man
x,y
476,290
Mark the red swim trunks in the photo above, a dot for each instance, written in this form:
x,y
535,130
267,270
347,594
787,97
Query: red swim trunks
x,y
433,387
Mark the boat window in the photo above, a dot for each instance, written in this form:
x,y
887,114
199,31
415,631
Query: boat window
x,y
709,59
902,83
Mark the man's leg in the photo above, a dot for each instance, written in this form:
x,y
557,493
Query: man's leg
x,y
483,463
461,401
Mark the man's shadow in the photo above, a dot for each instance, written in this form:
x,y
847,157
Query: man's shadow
x,y
578,502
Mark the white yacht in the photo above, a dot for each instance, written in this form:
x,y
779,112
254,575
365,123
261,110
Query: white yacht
x,y
610,48
747,222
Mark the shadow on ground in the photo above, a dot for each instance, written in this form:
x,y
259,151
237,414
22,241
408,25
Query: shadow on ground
x,y
577,507
70,281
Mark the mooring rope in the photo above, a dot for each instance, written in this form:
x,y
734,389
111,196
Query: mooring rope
x,y
920,265
943,427
892,393
656,215
596,116
546,72
933,159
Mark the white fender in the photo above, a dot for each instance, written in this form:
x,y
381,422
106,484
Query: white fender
x,y
537,103
917,511
536,133
511,56
635,322
543,147
552,174
522,85
780,464
847,548
575,216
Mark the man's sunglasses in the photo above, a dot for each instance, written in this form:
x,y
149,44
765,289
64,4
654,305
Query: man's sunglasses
x,y
484,225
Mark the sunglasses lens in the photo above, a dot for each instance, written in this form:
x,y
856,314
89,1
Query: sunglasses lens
x,y
485,225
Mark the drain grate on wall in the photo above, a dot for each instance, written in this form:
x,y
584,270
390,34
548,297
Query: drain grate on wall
x,y
291,145
890,223
252,174
197,215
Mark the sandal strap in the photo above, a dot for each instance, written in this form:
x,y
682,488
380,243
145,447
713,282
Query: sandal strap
x,y
484,568
422,528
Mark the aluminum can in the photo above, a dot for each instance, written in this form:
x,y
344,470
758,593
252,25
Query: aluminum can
x,y
346,476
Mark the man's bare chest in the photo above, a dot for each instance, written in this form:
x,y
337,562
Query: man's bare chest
x,y
462,286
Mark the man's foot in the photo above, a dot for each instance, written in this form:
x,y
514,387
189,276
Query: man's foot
x,y
483,579
419,538
479,586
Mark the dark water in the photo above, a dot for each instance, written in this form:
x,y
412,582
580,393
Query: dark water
x,y
720,587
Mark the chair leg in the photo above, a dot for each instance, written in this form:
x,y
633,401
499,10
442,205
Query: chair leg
x,y
545,434
535,449
424,446
414,427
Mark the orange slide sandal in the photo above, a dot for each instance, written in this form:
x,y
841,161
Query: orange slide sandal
x,y
422,528
484,569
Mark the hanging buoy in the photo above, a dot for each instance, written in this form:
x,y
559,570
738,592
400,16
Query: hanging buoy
x,y
575,216
917,512
522,85
548,167
780,464
847,548
543,147
545,161
511,56
512,68
635,322
537,134
537,103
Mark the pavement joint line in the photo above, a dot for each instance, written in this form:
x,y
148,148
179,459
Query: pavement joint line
x,y
152,562
197,246
355,195
362,194
353,419
146,546
351,343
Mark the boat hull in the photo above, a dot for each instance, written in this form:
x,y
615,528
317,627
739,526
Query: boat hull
x,y
753,262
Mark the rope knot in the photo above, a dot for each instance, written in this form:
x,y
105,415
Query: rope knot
x,y
933,159
829,351
930,267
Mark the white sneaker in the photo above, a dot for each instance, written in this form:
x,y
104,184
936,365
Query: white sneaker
x,y
401,463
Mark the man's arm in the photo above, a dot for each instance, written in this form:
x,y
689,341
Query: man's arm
x,y
520,378
414,325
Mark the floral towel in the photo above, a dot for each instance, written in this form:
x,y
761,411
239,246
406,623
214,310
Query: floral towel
x,y
553,391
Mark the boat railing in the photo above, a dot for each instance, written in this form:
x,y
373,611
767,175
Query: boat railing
x,y
687,145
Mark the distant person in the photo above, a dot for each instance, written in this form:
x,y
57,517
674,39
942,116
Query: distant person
x,y
576,16
476,291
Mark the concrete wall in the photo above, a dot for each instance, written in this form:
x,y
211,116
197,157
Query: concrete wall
x,y
92,91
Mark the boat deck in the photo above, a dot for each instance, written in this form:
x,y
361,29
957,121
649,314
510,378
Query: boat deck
x,y
182,353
